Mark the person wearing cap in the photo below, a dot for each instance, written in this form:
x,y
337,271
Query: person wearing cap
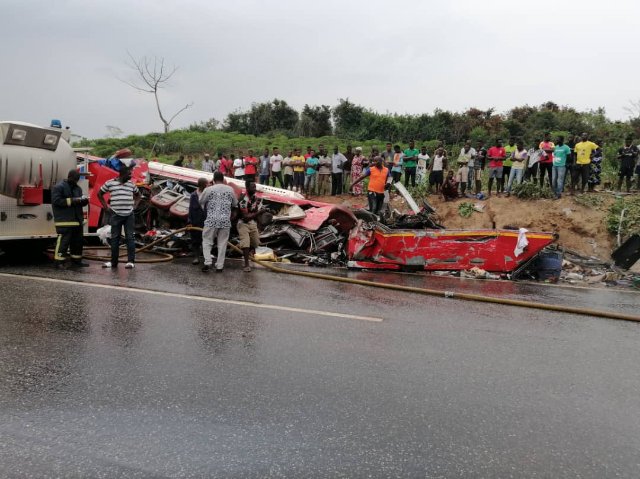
x,y
207,164
377,174
67,201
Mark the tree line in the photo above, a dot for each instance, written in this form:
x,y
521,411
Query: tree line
x,y
351,121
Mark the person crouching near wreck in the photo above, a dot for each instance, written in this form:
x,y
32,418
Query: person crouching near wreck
x,y
450,187
247,225
219,201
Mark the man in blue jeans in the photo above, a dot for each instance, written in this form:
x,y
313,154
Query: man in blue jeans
x,y
121,204
561,155
265,167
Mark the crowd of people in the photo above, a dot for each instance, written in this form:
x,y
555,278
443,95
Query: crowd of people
x,y
213,207
575,164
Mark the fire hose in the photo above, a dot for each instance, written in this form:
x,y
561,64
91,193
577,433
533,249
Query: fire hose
x,y
396,287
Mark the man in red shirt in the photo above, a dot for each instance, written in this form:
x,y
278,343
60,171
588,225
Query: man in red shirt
x,y
226,166
250,167
496,155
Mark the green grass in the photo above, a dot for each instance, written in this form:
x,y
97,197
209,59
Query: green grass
x,y
631,222
589,200
167,147
465,209
532,191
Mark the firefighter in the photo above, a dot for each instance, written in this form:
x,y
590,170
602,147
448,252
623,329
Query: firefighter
x,y
67,201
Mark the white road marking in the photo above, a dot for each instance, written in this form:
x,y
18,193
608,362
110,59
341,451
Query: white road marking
x,y
192,297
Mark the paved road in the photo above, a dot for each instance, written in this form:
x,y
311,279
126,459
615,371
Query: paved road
x,y
261,375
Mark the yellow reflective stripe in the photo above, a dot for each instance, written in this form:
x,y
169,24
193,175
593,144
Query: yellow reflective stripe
x,y
67,223
74,256
56,254
68,201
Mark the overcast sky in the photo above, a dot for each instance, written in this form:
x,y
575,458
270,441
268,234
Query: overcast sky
x,y
63,59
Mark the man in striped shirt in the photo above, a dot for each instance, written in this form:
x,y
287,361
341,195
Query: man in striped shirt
x,y
121,205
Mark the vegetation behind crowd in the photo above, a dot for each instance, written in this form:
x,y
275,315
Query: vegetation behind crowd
x,y
275,123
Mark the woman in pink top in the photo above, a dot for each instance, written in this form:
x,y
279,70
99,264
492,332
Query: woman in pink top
x,y
356,170
546,161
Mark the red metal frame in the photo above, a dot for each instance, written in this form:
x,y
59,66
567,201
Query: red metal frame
x,y
491,250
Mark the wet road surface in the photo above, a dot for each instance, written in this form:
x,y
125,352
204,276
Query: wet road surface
x,y
167,372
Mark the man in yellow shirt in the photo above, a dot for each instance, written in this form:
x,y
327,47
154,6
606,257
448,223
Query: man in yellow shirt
x,y
297,162
583,151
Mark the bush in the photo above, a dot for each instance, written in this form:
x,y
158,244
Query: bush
x,y
465,209
631,222
589,201
532,191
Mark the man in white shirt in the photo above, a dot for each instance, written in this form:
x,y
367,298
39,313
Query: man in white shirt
x,y
533,158
466,162
276,167
422,165
337,160
238,168
469,153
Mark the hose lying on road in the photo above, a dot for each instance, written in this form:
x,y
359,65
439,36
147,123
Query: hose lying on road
x,y
424,291
163,257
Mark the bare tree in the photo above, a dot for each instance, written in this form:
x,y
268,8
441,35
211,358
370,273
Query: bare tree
x,y
114,131
153,75
633,109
